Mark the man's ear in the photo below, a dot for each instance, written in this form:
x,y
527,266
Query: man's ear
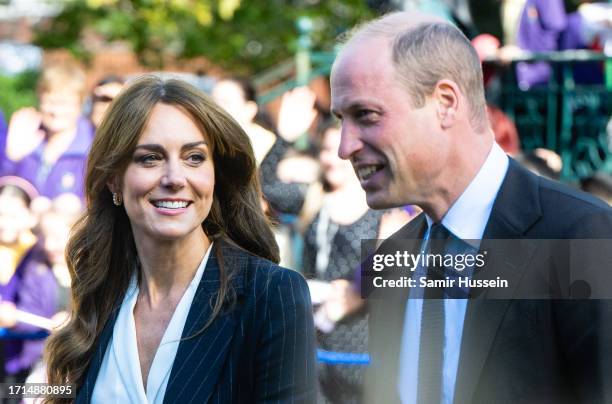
x,y
447,94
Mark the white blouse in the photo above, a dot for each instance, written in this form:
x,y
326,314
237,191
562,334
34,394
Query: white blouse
x,y
120,378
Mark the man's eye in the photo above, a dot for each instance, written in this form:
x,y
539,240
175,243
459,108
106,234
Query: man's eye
x,y
365,114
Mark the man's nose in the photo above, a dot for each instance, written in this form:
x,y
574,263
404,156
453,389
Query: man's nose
x,y
350,143
174,177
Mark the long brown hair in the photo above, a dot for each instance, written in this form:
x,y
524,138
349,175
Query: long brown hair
x,y
101,253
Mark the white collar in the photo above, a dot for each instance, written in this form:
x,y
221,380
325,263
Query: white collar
x,y
120,367
468,216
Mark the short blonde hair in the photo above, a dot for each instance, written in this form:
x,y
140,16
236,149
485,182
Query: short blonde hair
x,y
63,76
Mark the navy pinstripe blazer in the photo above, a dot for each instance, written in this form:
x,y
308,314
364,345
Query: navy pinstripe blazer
x,y
260,351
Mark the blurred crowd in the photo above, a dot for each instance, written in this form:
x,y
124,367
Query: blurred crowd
x,y
312,196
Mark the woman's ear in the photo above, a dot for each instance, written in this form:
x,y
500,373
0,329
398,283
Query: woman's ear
x,y
113,186
115,189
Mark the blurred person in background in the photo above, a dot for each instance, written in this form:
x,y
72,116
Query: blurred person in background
x,y
287,173
588,28
238,97
16,241
596,24
600,185
44,289
3,130
48,147
102,95
543,162
546,26
511,11
287,169
540,27
176,295
16,237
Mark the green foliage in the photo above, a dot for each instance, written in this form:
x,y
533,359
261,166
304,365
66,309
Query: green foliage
x,y
17,92
241,36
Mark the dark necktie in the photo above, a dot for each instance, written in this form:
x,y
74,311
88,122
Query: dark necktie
x,y
431,343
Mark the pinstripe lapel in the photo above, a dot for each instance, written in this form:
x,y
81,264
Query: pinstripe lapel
x,y
199,360
86,390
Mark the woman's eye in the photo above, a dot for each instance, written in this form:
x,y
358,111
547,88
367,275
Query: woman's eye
x,y
196,158
148,158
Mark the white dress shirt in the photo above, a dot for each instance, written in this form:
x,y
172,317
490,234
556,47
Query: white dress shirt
x,y
466,219
120,378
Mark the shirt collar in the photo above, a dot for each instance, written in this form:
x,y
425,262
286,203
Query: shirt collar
x,y
468,216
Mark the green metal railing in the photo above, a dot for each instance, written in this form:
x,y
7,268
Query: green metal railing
x,y
563,116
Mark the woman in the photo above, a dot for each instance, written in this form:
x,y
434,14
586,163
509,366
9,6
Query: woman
x,y
175,297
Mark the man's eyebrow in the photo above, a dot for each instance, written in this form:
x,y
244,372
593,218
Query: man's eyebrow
x,y
160,149
352,107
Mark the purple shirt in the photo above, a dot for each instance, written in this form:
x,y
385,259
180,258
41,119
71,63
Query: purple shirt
x,y
39,293
3,131
10,292
67,173
540,25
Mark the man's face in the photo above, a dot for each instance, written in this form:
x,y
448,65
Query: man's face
x,y
397,151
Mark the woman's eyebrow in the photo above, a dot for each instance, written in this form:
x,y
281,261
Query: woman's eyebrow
x,y
194,144
151,147
160,149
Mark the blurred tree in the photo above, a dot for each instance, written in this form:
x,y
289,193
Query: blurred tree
x,y
17,91
240,36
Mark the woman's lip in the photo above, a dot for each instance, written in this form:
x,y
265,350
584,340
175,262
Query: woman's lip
x,y
169,200
170,211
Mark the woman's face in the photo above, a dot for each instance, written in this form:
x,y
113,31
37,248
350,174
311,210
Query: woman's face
x,y
168,185
337,172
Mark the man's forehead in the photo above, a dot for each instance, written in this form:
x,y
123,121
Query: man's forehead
x,y
363,60
358,72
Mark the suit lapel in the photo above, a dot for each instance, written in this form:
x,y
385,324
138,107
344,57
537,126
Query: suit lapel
x,y
387,313
512,215
201,355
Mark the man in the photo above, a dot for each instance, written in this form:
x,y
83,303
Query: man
x,y
408,90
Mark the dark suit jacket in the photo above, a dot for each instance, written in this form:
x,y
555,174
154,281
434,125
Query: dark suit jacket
x,y
262,350
513,350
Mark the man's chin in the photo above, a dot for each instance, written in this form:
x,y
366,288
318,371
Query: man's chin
x,y
378,201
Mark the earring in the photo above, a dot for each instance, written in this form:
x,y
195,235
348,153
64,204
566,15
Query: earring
x,y
117,199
